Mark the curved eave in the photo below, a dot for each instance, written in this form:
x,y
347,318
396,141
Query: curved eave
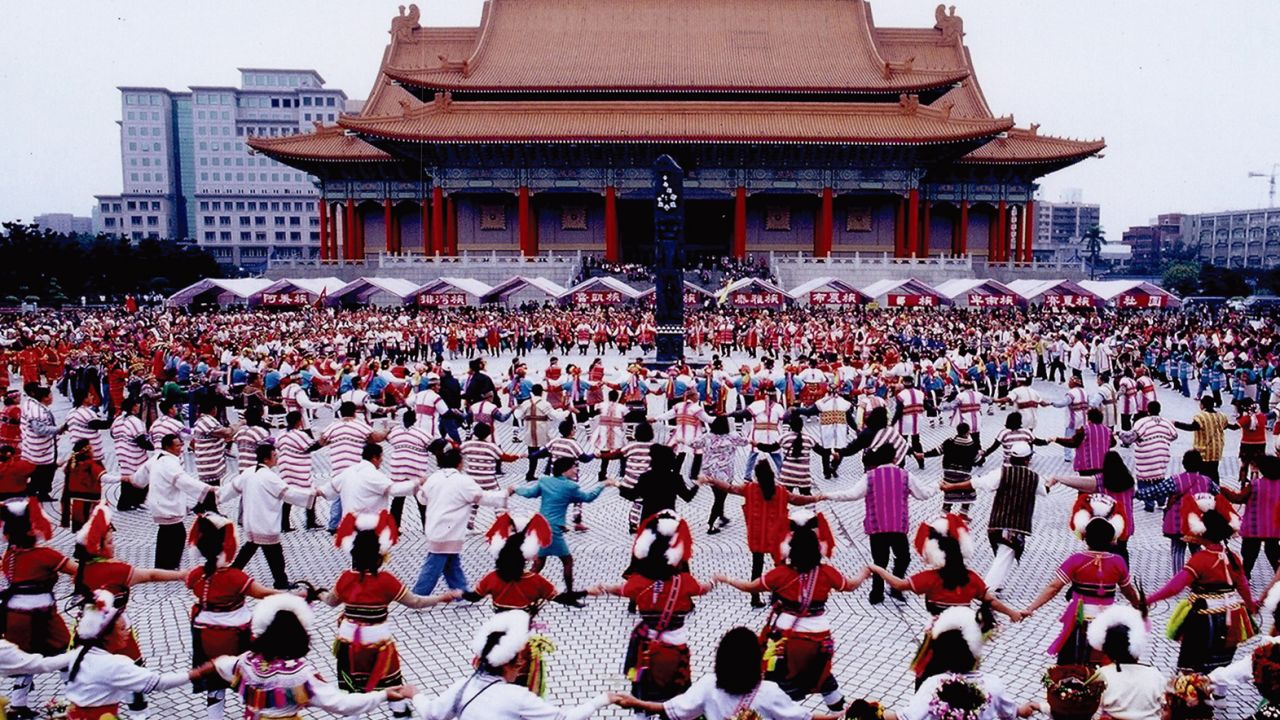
x,y
449,80
1055,161
294,148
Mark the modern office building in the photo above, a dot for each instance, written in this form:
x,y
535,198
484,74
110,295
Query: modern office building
x,y
189,175
1061,225
1235,238
1148,242
64,223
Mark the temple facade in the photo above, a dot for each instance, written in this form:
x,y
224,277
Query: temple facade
x,y
802,126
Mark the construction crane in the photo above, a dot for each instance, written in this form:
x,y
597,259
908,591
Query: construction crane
x,y
1271,193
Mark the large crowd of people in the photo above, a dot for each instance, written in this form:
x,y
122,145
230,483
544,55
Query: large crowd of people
x,y
196,414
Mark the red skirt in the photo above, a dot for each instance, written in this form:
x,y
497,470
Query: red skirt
x,y
799,662
365,668
100,712
208,643
40,632
658,671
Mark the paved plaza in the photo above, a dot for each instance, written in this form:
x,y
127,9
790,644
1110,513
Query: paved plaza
x,y
874,644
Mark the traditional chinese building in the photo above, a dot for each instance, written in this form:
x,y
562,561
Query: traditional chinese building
x,y
801,124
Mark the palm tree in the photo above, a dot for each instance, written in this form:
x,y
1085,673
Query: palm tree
x,y
1093,240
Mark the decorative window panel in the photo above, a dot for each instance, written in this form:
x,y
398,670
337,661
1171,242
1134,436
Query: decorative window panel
x,y
858,219
493,217
573,217
777,217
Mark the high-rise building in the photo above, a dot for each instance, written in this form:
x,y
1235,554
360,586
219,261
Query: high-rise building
x,y
1235,238
1149,242
64,223
189,175
1061,225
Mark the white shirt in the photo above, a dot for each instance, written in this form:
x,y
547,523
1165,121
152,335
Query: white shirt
x,y
707,700
484,697
364,489
1238,673
13,661
173,489
449,495
998,707
1134,692
265,492
107,679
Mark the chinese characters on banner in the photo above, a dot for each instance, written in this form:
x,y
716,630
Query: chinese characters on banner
x,y
1068,301
911,301
980,300
597,297
755,299
442,299
691,298
287,299
835,298
1140,301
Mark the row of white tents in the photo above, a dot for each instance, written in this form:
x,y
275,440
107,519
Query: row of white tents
x,y
746,293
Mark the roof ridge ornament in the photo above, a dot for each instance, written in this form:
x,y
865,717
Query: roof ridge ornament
x,y
893,66
403,25
951,25
442,101
909,104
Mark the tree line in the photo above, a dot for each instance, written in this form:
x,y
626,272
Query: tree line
x,y
39,265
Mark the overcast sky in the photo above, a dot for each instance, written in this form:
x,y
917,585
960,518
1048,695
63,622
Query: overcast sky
x,y
1184,92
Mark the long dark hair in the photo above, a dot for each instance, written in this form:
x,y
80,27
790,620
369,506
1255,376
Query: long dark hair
x,y
766,480
953,572
209,544
738,662
285,639
509,565
1116,477
366,553
796,423
806,554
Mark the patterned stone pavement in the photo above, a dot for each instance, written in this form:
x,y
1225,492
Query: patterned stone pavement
x,y
874,643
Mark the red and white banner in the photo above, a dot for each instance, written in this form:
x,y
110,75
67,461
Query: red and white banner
x,y
835,298
1140,300
597,297
288,299
980,300
442,299
756,299
895,300
691,298
1068,301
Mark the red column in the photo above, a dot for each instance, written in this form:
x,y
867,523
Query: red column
x,y
349,230
1002,232
900,229
525,223
324,229
825,226
612,252
386,223
962,242
359,220
740,223
450,226
913,222
1029,225
437,222
333,232
426,227
924,231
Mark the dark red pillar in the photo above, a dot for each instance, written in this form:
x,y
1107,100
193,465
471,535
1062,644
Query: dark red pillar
x,y
740,223
324,229
1029,226
437,222
913,222
386,222
349,230
525,223
823,237
612,252
962,241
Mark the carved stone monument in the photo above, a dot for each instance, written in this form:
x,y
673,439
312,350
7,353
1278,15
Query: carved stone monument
x,y
668,260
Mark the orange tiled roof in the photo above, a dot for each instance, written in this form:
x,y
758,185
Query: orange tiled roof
x,y
1027,146
326,144
448,121
648,45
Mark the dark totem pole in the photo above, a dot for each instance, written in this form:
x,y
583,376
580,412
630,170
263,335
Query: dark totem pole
x,y
668,260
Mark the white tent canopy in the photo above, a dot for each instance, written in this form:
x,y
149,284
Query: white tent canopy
x,y
236,291
1131,293
313,287
975,292
910,292
752,292
828,290
600,291
521,289
1055,293
376,291
451,292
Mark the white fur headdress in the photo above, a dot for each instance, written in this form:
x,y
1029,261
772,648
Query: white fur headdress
x,y
1195,506
949,525
268,608
962,620
532,530
219,524
803,520
674,529
29,507
97,616
1123,616
381,523
1095,506
513,628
